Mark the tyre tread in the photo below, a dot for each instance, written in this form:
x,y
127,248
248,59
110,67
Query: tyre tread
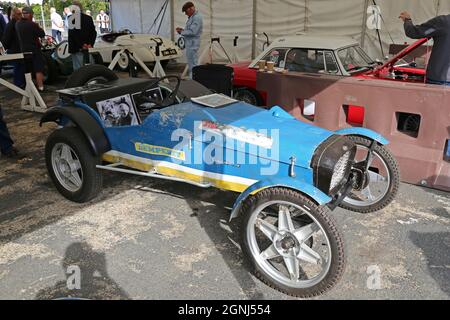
x,y
395,174
321,211
93,178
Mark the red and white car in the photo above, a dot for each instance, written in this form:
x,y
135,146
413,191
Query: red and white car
x,y
327,55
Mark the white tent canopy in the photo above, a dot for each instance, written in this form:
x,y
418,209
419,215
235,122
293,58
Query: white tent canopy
x,y
247,18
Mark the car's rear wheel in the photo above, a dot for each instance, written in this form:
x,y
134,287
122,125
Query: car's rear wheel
x,y
50,68
292,243
97,57
380,182
72,166
164,63
90,74
123,64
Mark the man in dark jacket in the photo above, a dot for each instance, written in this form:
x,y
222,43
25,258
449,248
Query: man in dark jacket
x,y
2,30
438,28
28,33
12,45
82,34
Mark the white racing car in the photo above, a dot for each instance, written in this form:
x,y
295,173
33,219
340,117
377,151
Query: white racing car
x,y
146,50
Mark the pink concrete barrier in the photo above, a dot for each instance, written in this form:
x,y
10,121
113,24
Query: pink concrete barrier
x,y
415,118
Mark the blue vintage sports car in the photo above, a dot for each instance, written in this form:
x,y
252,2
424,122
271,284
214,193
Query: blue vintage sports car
x,y
288,174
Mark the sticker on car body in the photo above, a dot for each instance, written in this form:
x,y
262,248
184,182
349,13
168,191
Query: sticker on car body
x,y
160,151
238,134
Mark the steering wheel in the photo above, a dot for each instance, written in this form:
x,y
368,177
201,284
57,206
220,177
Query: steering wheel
x,y
167,101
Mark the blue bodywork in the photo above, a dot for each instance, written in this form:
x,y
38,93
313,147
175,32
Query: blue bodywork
x,y
267,146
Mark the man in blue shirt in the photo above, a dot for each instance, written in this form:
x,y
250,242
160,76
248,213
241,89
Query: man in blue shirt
x,y
192,34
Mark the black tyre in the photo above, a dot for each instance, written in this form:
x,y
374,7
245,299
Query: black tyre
x,y
97,58
51,71
72,166
381,181
411,123
165,63
89,74
292,244
249,96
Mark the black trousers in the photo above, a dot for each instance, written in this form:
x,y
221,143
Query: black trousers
x,y
6,142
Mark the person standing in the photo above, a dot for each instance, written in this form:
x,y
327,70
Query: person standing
x,y
103,21
67,13
12,45
82,35
438,28
6,143
192,34
3,22
28,33
57,25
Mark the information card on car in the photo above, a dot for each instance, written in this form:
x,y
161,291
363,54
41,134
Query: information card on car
x,y
215,100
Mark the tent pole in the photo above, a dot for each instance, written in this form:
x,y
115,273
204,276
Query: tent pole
x,y
43,19
172,20
211,18
140,16
254,30
364,24
438,7
305,25
111,21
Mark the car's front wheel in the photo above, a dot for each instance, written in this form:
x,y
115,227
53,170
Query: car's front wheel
x,y
378,185
248,96
292,243
72,166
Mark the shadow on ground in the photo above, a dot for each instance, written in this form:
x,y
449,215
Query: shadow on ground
x,y
436,248
86,277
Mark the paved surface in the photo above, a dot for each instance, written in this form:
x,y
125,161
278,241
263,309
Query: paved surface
x,y
148,239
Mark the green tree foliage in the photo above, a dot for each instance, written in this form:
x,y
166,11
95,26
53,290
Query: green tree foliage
x,y
93,5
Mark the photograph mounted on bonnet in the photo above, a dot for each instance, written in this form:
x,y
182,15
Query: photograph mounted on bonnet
x,y
118,112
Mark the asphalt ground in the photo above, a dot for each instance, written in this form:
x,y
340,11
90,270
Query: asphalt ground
x,y
151,239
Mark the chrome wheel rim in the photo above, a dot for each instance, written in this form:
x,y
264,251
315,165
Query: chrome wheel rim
x,y
67,167
289,244
379,180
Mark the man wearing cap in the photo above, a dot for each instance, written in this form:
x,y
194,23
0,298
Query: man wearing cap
x,y
28,33
192,34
